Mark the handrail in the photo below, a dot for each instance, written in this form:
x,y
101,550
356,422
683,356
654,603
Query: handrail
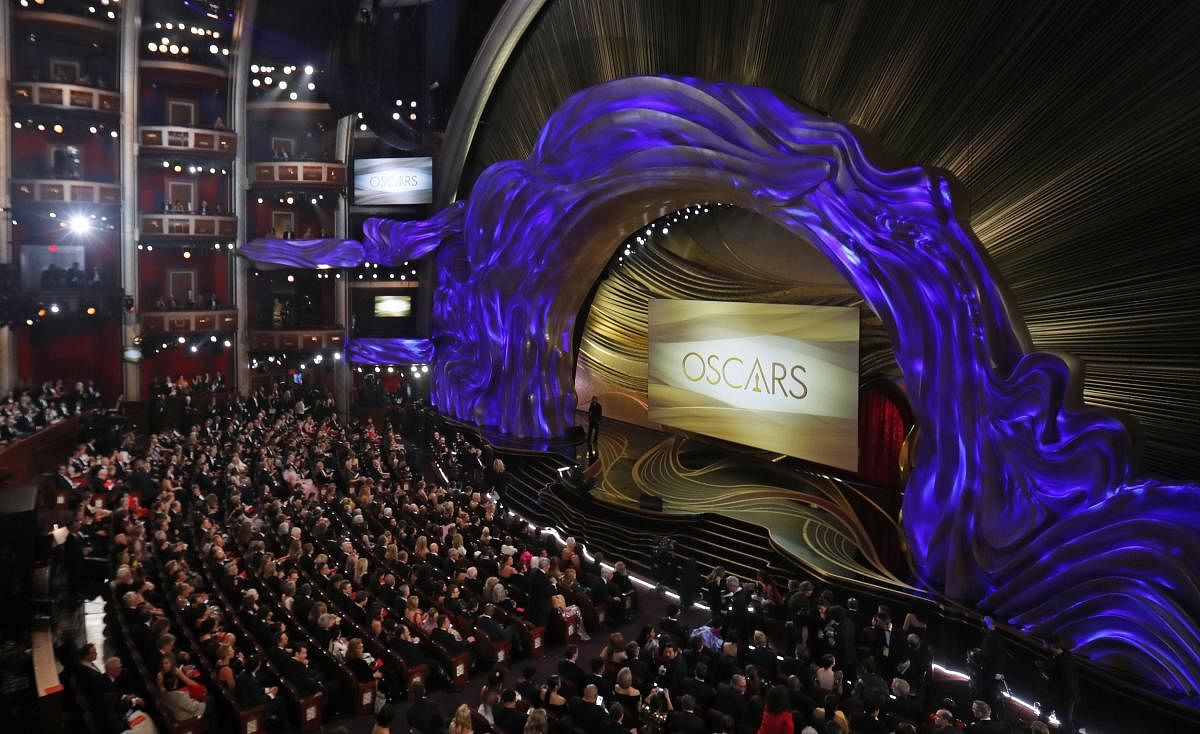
x,y
66,190
188,139
305,173
67,96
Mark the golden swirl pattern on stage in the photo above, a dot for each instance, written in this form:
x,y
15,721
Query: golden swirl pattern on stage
x,y
809,517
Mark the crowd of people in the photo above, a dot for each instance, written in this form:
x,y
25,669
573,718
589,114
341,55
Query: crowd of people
x,y
26,410
269,553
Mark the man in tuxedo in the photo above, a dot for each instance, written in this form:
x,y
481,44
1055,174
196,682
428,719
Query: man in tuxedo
x,y
886,645
615,723
903,704
540,592
685,720
585,713
568,667
508,718
498,631
423,715
674,670
698,688
983,722
670,625
731,698
761,656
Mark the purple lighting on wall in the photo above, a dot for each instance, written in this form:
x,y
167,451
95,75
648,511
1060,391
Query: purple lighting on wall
x,y
1022,501
390,351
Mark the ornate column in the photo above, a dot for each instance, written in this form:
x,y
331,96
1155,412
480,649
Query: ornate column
x,y
131,23
342,376
8,339
243,41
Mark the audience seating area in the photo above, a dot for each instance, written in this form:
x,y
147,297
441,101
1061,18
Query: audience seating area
x,y
269,567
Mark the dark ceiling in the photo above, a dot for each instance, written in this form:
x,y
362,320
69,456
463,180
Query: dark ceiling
x,y
1072,125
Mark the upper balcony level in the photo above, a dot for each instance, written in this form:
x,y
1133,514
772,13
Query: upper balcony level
x,y
176,138
299,173
101,26
66,96
56,190
179,225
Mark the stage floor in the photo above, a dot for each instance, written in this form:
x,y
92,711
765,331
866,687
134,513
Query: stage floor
x,y
828,523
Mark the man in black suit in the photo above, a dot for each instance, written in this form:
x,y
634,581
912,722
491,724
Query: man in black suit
x,y
585,713
761,656
983,722
698,688
886,645
498,631
423,715
685,720
670,625
731,698
568,667
540,592
674,669
508,718
868,721
615,723
903,704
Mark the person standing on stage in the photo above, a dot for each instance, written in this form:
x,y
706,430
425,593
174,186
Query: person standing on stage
x,y
595,413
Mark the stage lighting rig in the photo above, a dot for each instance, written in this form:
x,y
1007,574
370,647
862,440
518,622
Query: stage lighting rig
x,y
381,51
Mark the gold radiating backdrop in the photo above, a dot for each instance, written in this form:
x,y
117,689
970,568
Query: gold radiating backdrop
x,y
1072,125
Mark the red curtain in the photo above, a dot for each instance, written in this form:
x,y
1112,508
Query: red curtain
x,y
882,424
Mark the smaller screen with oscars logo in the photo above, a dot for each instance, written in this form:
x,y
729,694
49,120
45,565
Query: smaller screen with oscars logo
x,y
773,376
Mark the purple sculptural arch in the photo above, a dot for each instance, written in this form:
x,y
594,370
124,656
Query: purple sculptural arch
x,y
1022,500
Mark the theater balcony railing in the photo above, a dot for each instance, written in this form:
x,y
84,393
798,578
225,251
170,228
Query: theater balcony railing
x,y
71,191
66,96
298,173
177,225
173,138
183,322
296,340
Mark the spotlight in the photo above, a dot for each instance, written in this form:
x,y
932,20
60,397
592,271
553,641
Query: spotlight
x,y
41,312
166,164
291,279
80,224
29,322
152,46
54,308
181,340
212,339
293,96
91,311
187,254
227,343
113,134
213,48
267,80
425,368
193,349
318,359
282,84
308,69
311,86
255,82
337,356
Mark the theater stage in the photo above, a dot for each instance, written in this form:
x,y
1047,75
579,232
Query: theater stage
x,y
836,525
